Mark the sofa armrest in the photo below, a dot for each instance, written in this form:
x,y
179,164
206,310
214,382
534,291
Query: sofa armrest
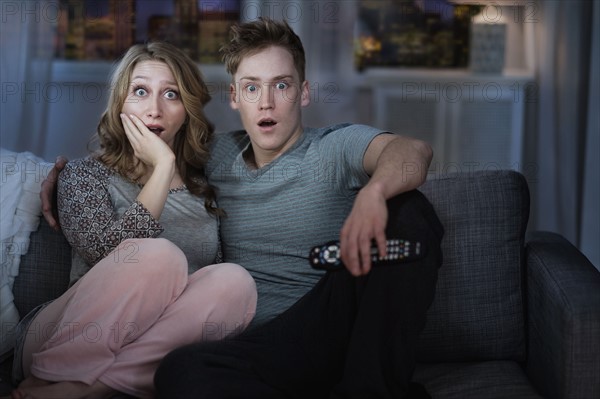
x,y
563,310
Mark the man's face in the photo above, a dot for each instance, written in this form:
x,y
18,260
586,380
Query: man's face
x,y
269,96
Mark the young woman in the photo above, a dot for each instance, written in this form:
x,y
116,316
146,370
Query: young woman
x,y
143,224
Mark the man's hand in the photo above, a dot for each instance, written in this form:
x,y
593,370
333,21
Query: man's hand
x,y
48,193
396,164
366,222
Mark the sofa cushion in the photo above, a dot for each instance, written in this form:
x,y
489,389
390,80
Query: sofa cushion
x,y
498,379
478,310
44,270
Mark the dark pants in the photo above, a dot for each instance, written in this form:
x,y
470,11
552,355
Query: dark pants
x,y
346,338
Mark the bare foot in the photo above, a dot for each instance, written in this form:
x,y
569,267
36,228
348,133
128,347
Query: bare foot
x,y
17,394
29,382
13,395
33,381
65,390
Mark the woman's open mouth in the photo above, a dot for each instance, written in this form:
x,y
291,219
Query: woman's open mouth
x,y
156,129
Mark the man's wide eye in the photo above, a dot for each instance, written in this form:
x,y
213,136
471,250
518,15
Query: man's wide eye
x,y
251,88
281,85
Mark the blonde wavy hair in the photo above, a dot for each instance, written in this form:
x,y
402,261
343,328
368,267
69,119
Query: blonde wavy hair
x,y
191,142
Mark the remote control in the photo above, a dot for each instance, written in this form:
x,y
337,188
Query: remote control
x,y
327,256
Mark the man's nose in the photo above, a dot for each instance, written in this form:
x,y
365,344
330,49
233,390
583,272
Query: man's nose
x,y
267,97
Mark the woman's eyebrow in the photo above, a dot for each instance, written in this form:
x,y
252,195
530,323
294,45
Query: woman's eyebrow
x,y
169,82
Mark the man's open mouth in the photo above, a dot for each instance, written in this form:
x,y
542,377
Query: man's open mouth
x,y
267,123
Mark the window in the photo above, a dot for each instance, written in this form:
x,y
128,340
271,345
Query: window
x,y
105,29
417,33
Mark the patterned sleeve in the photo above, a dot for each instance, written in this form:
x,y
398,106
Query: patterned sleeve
x,y
86,214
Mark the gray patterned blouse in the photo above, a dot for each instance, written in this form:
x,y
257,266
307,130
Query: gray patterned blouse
x,y
98,210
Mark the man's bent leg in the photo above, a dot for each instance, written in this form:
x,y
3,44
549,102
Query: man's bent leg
x,y
211,370
392,311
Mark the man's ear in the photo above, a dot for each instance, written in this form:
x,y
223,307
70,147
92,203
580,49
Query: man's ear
x,y
304,94
233,96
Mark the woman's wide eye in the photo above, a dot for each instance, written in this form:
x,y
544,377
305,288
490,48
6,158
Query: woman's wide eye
x,y
139,91
171,95
281,85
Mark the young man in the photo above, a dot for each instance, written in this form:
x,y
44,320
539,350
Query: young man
x,y
286,188
350,333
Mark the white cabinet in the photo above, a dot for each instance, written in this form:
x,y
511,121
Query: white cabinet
x,y
472,121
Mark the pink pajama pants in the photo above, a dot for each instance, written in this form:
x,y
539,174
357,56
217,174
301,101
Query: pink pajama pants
x,y
120,319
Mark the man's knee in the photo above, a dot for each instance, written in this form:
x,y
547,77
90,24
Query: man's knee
x,y
411,214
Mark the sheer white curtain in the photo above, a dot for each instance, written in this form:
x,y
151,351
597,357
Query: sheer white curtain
x,y
565,194
26,42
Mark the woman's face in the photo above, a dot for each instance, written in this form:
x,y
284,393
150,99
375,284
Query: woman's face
x,y
153,96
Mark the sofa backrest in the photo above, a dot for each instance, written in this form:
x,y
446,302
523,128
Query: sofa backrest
x,y
478,310
44,270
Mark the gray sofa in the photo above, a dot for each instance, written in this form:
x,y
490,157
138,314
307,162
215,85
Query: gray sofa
x,y
516,314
